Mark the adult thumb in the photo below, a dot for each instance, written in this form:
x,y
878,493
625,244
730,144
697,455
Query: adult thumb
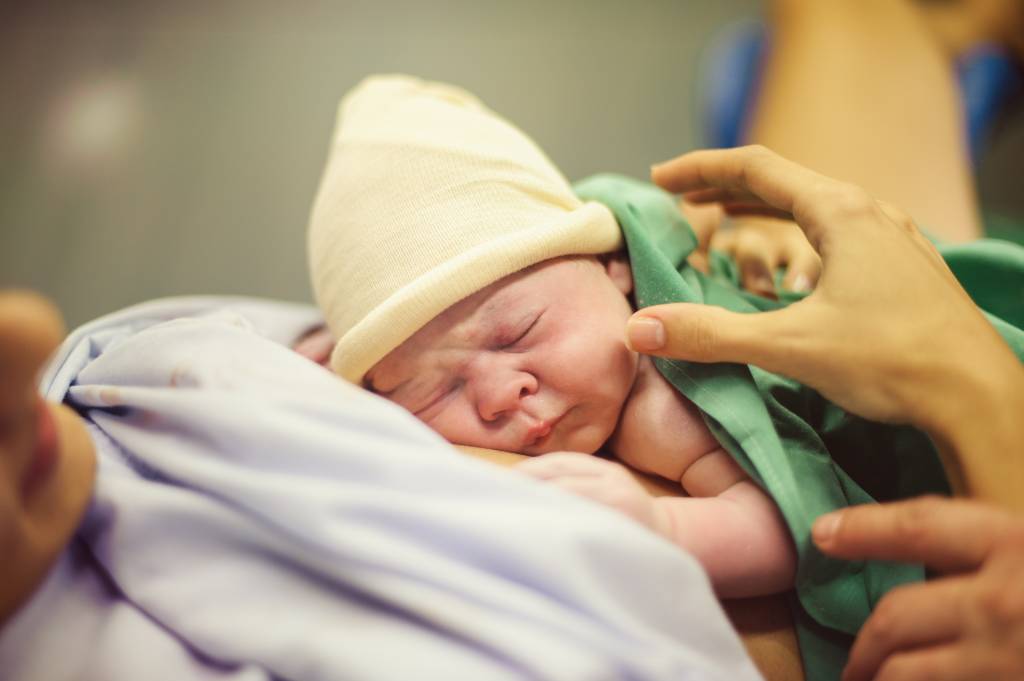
x,y
704,333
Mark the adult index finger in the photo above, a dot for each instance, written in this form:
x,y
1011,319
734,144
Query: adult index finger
x,y
947,535
752,174
743,172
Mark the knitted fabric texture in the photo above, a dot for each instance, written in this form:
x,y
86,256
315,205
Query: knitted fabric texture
x,y
428,197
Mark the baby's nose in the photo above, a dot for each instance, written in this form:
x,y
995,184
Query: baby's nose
x,y
500,400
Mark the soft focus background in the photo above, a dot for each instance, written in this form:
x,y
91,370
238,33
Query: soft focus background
x,y
154,149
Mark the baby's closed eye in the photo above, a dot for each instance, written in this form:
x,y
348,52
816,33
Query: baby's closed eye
x,y
511,337
435,398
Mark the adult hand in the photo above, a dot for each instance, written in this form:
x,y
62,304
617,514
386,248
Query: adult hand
x,y
967,624
887,315
887,333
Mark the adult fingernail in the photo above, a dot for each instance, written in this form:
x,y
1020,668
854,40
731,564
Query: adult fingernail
x,y
645,334
801,283
824,529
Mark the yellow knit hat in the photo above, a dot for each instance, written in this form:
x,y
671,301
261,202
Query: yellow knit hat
x,y
428,197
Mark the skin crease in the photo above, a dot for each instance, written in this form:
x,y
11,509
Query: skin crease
x,y
526,350
36,521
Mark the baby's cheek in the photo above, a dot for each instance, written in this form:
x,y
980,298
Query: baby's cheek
x,y
442,428
615,365
433,424
454,425
592,355
589,436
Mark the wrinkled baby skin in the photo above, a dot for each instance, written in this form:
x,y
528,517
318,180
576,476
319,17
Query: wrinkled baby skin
x,y
534,363
537,363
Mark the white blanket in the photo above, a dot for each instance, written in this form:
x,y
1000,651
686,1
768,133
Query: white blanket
x,y
255,517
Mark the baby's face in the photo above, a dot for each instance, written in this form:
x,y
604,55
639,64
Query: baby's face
x,y
536,362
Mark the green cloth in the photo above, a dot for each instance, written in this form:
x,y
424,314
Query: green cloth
x,y
1005,227
811,456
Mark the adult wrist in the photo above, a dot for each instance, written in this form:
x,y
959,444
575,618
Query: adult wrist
x,y
974,418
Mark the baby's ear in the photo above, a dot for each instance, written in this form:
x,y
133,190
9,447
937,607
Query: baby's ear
x,y
616,265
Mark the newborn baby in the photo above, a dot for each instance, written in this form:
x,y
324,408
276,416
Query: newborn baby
x,y
537,363
467,283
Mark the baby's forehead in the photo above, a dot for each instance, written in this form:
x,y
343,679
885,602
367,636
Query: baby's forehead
x,y
491,306
496,300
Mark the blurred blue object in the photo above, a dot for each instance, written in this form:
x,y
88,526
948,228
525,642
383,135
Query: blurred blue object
x,y
988,79
729,82
731,77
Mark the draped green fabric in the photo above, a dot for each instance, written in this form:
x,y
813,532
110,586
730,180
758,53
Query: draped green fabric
x,y
811,456
1005,227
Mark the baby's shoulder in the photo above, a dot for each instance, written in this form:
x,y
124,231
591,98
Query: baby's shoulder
x,y
660,431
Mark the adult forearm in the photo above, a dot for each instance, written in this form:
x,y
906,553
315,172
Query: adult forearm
x,y
859,90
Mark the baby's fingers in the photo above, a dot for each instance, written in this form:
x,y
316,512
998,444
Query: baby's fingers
x,y
803,270
755,255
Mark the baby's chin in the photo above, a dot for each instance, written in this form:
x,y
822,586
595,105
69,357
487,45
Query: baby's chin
x,y
587,438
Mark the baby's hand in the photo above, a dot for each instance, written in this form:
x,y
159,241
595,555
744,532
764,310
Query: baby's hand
x,y
603,481
760,245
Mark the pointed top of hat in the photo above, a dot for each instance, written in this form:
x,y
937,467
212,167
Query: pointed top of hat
x,y
428,197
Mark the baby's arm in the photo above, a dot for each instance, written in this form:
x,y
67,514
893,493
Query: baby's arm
x,y
732,527
737,534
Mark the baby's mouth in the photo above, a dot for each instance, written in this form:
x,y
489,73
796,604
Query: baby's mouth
x,y
539,433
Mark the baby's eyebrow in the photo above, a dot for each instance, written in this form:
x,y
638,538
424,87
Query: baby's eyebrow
x,y
498,309
489,311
